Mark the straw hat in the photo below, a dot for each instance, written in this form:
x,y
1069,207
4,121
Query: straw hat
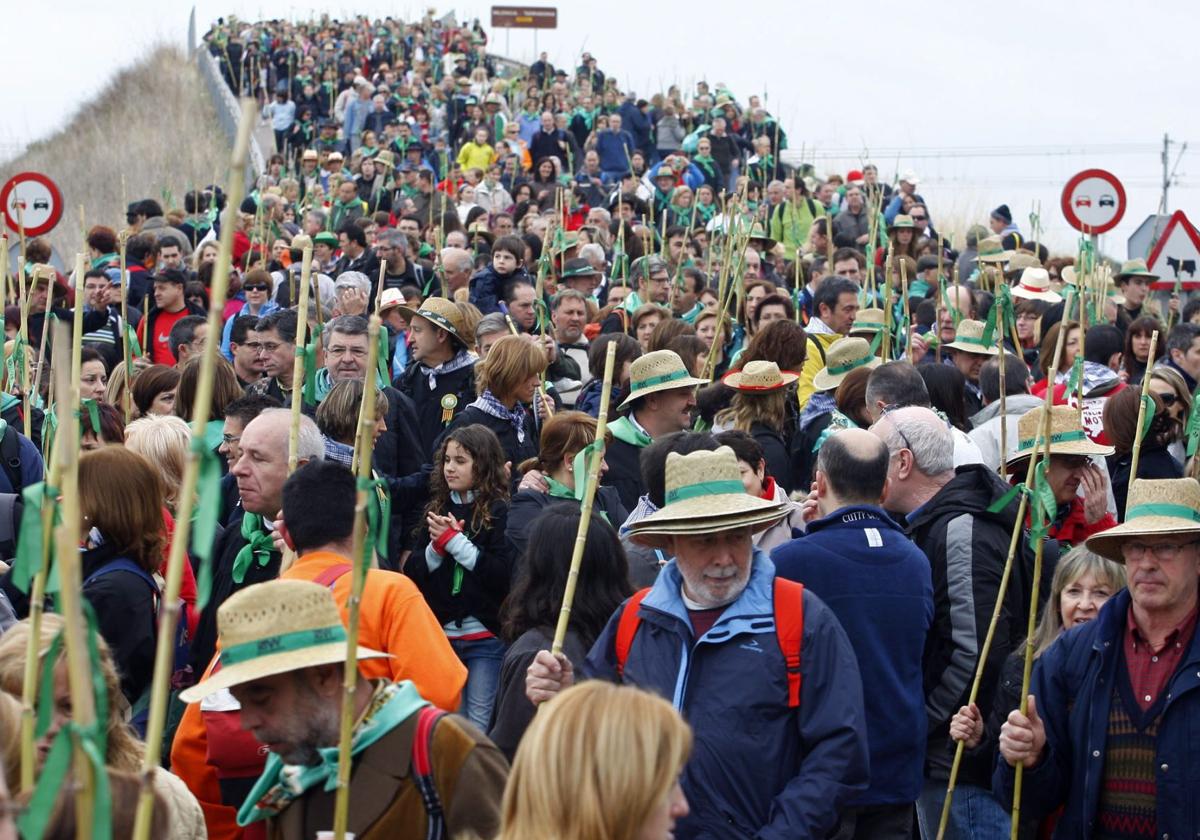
x,y
868,322
1018,261
386,159
390,298
901,222
758,376
991,250
1035,285
480,229
441,313
1162,506
1067,436
661,370
843,356
705,494
1136,268
759,234
275,627
969,339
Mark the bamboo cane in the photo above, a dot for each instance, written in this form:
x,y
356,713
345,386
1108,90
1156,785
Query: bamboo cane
x,y
164,650
1083,335
585,505
70,574
1039,448
1137,448
27,419
1003,389
126,396
49,275
298,366
364,442
908,345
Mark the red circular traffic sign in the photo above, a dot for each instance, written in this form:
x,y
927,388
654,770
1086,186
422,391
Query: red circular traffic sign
x,y
39,199
1093,201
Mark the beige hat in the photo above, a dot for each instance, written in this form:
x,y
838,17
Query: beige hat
x,y
389,299
441,313
1067,436
759,376
991,250
661,370
969,339
385,159
1156,506
1136,268
1035,285
1018,261
275,627
868,322
843,356
705,494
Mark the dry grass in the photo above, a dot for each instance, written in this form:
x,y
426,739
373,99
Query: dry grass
x,y
152,130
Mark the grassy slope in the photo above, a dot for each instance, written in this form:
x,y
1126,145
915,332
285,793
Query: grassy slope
x,y
153,128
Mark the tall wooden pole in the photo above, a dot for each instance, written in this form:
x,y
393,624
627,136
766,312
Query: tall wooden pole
x,y
298,366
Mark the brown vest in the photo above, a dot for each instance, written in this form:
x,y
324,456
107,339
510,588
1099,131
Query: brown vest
x,y
385,803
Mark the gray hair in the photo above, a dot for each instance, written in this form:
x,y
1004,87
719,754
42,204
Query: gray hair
x,y
922,433
568,294
490,324
356,279
343,325
457,259
590,250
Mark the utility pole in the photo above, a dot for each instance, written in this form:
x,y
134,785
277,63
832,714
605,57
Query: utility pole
x,y
1166,162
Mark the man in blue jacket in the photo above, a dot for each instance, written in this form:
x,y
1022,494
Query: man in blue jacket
x,y
615,146
778,753
1112,732
878,585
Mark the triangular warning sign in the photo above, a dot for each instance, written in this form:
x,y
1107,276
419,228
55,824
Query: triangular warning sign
x,y
1176,254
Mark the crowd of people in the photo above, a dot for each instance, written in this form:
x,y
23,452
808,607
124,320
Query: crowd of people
x,y
808,526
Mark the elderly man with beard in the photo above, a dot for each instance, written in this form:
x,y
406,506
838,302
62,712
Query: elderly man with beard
x,y
780,744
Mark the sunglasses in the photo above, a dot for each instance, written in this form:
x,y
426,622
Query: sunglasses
x,y
256,287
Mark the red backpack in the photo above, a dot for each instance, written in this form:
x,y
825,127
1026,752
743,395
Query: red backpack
x,y
789,630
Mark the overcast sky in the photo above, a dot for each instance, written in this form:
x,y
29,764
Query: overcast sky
x,y
988,104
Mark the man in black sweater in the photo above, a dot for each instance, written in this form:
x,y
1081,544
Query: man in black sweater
x,y
441,379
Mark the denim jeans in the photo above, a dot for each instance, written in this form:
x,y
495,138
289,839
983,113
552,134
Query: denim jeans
x,y
482,658
974,813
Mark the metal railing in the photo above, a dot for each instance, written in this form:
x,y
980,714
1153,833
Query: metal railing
x,y
229,112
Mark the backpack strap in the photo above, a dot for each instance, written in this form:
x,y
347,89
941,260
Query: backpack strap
x,y
819,347
10,457
123,564
332,575
627,628
789,628
422,771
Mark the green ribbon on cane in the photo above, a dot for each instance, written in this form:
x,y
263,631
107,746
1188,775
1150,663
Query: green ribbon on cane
x,y
309,352
93,412
1193,427
135,346
93,742
379,515
28,560
1147,416
204,526
49,432
1043,505
383,359
1076,375
1000,314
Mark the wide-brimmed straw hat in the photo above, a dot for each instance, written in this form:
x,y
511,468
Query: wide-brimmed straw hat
x,y
1035,285
991,250
1018,261
843,356
969,339
480,229
902,222
759,376
1156,507
1136,268
661,370
1067,436
386,159
868,322
273,628
441,313
705,494
389,299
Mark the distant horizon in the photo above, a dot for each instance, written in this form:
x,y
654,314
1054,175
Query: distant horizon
x,y
981,126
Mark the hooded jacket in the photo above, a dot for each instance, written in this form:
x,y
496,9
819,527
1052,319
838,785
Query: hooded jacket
x,y
1073,682
758,769
986,431
967,547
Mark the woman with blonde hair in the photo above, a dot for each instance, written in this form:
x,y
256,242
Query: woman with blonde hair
x,y
599,761
123,750
507,383
164,441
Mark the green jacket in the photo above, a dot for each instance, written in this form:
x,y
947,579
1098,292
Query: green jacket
x,y
789,222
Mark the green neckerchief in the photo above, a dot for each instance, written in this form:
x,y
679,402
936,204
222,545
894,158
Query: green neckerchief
x,y
280,784
588,117
692,314
631,302
339,208
103,260
623,429
259,546
707,163
324,384
559,490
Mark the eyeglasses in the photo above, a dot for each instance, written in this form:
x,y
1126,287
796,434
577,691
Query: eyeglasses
x,y
1168,400
888,409
1161,551
227,439
261,347
920,218
1072,462
256,287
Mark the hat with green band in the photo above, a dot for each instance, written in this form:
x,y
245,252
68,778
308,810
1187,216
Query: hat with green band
x,y
704,494
1135,268
661,370
843,356
1157,507
441,313
991,250
868,322
902,222
969,339
1067,436
273,628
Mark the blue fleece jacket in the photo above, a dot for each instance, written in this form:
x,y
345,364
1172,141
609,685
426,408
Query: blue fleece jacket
x,y
878,584
612,146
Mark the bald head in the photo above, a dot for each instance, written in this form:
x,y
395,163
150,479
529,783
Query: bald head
x,y
852,469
